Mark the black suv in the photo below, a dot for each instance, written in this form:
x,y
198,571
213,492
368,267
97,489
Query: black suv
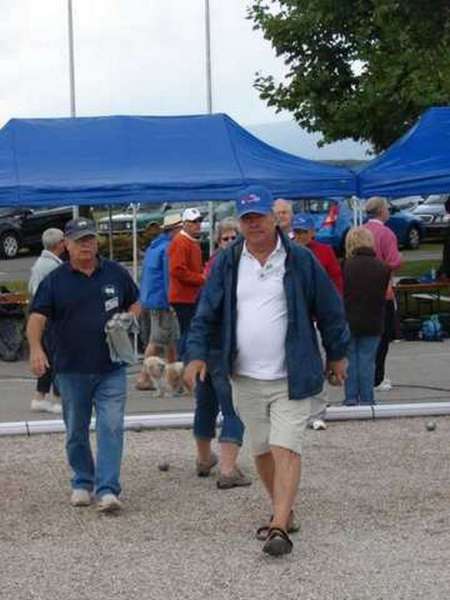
x,y
23,227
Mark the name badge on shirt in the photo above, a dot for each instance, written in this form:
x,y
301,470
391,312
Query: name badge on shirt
x,y
111,304
110,294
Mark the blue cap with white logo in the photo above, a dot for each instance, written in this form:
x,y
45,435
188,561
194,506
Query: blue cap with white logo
x,y
254,199
303,223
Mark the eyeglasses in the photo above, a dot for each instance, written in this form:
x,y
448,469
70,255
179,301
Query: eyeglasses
x,y
228,238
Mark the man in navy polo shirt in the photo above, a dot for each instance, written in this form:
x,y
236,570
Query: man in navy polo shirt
x,y
79,297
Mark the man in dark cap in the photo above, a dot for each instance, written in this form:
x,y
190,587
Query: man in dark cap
x,y
80,297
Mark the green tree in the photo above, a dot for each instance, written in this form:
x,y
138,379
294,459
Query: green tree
x,y
361,69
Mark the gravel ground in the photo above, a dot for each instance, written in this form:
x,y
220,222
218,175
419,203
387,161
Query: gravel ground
x,y
374,507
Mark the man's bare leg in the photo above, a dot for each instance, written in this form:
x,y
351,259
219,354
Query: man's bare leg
x,y
286,481
171,353
266,468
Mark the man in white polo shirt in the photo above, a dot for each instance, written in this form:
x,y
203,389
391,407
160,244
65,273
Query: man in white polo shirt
x,y
261,297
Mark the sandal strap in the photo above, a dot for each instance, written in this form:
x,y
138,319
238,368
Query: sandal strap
x,y
278,532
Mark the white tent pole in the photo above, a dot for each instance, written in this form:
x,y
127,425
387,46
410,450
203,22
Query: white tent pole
x,y
209,109
73,108
135,244
135,268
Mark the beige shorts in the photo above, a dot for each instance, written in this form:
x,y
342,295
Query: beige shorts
x,y
164,327
270,418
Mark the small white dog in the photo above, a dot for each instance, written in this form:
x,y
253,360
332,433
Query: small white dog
x,y
174,378
165,375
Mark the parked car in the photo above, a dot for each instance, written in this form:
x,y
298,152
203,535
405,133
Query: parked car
x,y
23,227
148,226
333,218
433,214
408,203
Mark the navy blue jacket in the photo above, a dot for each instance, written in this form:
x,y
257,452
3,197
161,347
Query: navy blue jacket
x,y
310,296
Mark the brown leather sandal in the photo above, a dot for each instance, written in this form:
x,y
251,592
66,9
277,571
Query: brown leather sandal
x,y
262,533
278,542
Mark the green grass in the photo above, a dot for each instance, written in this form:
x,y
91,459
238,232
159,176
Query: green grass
x,y
20,287
415,268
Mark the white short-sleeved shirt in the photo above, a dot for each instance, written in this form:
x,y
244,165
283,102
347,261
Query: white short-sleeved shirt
x,y
261,316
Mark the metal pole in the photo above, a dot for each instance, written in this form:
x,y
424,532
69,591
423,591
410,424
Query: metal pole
x,y
110,233
135,244
135,269
208,58
209,110
73,108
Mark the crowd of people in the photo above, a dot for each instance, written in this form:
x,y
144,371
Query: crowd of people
x,y
262,328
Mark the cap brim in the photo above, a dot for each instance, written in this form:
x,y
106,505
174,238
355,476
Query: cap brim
x,y
172,226
80,234
254,211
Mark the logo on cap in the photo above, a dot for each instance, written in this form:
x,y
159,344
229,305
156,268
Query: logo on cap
x,y
250,198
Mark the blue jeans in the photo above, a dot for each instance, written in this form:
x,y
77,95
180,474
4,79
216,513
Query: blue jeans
x,y
211,395
361,370
79,393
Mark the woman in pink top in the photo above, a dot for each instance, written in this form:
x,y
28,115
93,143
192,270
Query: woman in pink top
x,y
386,250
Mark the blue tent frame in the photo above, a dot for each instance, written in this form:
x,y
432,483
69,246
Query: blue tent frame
x,y
116,159
418,163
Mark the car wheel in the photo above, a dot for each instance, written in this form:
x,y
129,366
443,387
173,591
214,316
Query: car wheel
x,y
9,244
413,238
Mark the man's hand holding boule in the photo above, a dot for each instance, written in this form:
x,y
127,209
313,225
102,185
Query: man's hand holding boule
x,y
195,369
336,371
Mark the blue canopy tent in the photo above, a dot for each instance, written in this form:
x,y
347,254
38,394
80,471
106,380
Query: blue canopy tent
x,y
418,163
106,160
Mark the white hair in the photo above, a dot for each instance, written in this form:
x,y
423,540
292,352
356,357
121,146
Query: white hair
x,y
285,203
51,237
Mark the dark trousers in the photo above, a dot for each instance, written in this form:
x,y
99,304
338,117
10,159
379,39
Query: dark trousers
x,y
386,339
185,314
44,383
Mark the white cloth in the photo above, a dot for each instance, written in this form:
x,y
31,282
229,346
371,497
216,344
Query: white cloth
x,y
118,330
261,316
44,265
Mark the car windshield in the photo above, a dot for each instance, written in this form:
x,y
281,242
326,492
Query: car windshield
x,y
436,199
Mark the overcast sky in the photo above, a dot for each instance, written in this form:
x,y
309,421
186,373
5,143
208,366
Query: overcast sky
x,y
131,57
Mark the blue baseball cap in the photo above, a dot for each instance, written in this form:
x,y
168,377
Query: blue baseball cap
x,y
254,199
303,223
76,229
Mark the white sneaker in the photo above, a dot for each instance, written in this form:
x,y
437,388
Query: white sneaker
x,y
384,386
319,424
45,406
81,497
109,503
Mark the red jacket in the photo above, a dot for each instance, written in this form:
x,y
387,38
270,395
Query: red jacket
x,y
327,258
185,269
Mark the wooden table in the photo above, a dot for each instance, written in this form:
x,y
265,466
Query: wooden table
x,y
14,298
